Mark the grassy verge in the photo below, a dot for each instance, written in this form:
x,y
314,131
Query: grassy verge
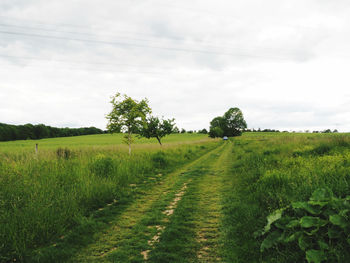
x,y
270,172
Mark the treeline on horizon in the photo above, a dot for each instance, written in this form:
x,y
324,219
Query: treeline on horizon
x,y
10,132
306,131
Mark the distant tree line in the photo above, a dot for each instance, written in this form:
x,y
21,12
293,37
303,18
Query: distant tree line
x,y
306,131
262,130
203,131
29,131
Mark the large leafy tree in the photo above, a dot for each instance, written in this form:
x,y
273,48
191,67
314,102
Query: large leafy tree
x,y
128,116
157,128
235,122
231,124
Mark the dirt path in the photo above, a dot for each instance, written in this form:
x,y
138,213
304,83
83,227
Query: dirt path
x,y
138,229
210,209
193,233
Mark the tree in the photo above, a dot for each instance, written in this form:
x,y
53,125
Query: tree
x,y
217,122
203,131
231,124
216,132
235,122
156,128
128,116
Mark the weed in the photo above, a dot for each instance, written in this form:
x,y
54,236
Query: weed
x,y
320,228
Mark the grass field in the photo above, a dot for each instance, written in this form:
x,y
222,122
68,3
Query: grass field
x,y
96,141
42,196
269,172
193,200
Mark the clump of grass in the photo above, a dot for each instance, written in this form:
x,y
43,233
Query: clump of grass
x,y
64,153
103,166
159,159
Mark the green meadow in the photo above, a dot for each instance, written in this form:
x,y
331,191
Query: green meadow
x,y
194,199
43,195
94,141
269,172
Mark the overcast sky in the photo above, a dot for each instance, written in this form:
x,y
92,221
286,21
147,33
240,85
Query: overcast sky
x,y
285,64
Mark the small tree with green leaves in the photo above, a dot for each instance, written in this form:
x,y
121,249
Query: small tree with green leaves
x,y
157,128
127,115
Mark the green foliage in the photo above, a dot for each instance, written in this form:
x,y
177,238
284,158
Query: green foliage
x,y
34,132
203,131
153,127
231,124
127,115
234,121
320,227
216,132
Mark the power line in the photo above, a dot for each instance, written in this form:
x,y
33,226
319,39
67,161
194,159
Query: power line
x,y
139,45
196,42
72,32
87,27
87,69
44,23
80,62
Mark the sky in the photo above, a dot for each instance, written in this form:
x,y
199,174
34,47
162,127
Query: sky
x,y
283,63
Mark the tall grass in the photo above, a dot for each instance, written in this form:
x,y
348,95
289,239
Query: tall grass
x,y
42,196
269,172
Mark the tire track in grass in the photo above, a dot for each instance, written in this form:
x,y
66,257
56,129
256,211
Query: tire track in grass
x,y
210,210
128,235
160,228
193,232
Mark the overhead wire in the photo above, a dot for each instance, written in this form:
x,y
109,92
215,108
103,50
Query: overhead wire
x,y
205,43
137,45
81,62
85,69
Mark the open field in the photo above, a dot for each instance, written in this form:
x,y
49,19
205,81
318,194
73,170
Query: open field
x,y
193,200
42,196
95,141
